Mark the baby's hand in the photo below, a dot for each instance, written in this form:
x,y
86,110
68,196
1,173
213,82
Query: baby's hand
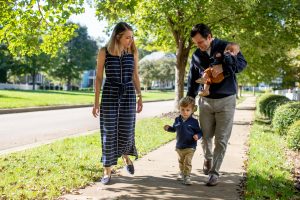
x,y
195,137
166,127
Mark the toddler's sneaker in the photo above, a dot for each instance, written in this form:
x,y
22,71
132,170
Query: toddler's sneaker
x,y
180,177
213,180
187,180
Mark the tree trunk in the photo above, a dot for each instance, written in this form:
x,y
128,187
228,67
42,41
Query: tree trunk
x,y
33,77
181,61
3,76
241,90
69,84
183,47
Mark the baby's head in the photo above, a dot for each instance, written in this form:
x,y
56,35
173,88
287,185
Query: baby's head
x,y
232,48
186,107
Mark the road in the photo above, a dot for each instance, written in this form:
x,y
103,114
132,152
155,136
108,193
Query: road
x,y
21,130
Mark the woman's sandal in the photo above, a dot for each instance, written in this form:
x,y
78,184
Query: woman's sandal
x,y
105,180
129,167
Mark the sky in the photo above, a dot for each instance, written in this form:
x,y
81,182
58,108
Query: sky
x,y
95,28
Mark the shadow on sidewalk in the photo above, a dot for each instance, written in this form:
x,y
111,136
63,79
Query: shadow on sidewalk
x,y
168,188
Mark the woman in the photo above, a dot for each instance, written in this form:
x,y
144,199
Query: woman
x,y
118,109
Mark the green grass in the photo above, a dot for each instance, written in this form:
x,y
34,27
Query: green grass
x,y
48,171
268,173
21,99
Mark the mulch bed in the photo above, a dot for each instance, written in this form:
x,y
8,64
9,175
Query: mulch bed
x,y
294,159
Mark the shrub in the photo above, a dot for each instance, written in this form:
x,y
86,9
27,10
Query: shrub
x,y
293,136
285,115
273,103
267,104
261,102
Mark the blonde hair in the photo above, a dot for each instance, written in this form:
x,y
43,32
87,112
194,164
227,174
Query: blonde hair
x,y
113,45
187,101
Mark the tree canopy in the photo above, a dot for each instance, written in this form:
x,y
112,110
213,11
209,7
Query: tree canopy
x,y
29,27
266,30
78,54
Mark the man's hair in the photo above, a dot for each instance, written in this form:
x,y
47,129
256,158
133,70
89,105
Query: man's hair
x,y
202,29
187,101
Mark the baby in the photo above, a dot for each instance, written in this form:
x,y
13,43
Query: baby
x,y
232,49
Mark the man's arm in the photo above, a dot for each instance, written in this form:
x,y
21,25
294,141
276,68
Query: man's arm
x,y
194,74
234,64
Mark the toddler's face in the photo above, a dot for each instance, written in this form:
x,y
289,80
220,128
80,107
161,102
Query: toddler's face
x,y
186,112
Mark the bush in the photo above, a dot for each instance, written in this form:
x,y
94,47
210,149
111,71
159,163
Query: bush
x,y
293,136
267,104
285,115
89,89
273,103
261,103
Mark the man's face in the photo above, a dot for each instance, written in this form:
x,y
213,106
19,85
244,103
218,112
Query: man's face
x,y
202,43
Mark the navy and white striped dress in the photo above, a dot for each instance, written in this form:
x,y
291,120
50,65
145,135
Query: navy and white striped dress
x,y
118,109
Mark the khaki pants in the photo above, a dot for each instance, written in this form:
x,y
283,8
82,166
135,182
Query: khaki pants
x,y
185,157
216,119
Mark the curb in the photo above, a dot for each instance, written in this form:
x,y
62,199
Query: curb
x,y
45,108
37,144
32,109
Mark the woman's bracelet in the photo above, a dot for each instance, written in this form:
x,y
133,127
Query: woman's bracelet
x,y
139,95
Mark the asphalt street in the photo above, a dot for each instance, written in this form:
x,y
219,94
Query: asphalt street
x,y
23,129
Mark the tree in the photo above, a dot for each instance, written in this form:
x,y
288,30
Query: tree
x,y
292,69
32,65
162,70
268,31
147,72
166,25
166,68
6,62
78,54
29,27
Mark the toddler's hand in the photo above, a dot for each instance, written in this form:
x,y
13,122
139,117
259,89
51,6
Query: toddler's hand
x,y
195,137
166,127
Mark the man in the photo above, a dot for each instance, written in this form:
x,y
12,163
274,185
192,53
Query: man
x,y
216,109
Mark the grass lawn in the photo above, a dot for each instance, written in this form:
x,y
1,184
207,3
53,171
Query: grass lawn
x,y
268,173
48,171
21,99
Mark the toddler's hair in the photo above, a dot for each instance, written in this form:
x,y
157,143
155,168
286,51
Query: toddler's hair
x,y
186,101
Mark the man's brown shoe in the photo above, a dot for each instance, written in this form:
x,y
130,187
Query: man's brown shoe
x,y
206,166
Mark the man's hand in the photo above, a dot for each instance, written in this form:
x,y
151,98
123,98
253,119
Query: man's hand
x,y
195,137
216,70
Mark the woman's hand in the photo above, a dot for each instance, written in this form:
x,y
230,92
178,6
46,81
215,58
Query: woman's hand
x,y
139,105
95,111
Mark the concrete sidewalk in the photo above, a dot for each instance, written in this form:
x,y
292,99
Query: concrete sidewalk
x,y
155,176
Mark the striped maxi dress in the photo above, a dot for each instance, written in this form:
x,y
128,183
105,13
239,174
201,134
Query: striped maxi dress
x,y
118,109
